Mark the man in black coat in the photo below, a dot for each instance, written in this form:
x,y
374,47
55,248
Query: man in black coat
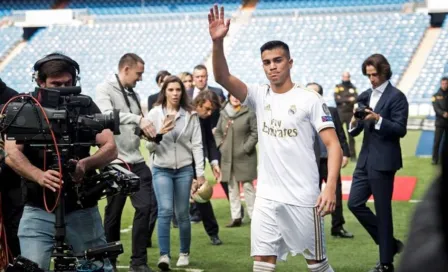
x,y
11,189
440,104
337,217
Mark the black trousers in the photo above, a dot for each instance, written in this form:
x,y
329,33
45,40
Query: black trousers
x,y
205,212
145,205
12,209
438,136
367,181
345,118
337,217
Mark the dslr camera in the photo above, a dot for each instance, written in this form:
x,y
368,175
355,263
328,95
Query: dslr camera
x,y
360,112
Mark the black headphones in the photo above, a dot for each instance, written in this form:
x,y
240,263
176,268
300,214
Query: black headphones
x,y
57,56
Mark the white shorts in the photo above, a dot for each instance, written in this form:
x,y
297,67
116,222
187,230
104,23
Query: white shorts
x,y
278,228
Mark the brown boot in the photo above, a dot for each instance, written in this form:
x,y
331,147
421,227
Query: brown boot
x,y
235,223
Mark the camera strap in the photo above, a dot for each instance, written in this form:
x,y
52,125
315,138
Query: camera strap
x,y
132,94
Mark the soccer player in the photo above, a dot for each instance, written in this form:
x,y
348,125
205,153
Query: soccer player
x,y
289,205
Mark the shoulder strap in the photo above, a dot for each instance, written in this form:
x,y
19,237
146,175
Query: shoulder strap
x,y
133,95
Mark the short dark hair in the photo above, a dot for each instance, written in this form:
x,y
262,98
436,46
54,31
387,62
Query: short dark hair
x,y
275,44
200,67
380,63
130,59
445,78
161,75
320,90
184,99
56,68
203,96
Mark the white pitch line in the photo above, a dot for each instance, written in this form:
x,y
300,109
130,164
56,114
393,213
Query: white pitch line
x,y
175,269
415,201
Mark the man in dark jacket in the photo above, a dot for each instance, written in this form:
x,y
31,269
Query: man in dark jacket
x,y
440,104
205,104
345,95
10,188
337,217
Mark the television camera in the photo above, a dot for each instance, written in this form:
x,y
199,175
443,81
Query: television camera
x,y
53,119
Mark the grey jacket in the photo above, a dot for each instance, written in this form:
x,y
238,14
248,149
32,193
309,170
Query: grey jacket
x,y
175,153
110,97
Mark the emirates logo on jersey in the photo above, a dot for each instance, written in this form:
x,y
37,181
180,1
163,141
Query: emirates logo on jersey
x,y
275,128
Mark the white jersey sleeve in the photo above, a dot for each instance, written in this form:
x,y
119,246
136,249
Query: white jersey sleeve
x,y
253,96
320,115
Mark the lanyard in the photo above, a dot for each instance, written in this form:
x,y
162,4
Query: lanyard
x,y
132,94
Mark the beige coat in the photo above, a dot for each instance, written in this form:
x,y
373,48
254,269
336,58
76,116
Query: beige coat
x,y
236,138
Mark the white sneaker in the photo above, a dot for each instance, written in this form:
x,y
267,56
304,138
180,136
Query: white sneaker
x,y
184,259
164,263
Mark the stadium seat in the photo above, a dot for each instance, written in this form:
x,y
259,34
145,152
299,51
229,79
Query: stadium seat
x,y
325,46
434,69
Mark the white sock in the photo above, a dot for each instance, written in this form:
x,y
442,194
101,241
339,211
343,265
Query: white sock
x,y
320,267
263,267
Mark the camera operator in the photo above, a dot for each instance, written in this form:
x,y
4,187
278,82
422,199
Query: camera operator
x,y
10,188
382,114
117,93
84,228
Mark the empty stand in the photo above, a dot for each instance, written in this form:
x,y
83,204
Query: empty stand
x,y
434,69
117,7
324,46
8,37
173,45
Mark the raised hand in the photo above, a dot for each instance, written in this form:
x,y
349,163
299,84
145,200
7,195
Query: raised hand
x,y
217,25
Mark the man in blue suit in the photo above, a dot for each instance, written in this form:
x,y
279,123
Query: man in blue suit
x,y
384,123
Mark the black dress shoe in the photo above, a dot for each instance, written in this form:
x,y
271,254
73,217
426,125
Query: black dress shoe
x,y
215,240
235,223
383,268
342,233
399,246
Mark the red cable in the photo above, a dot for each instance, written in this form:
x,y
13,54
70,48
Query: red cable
x,y
55,145
125,163
4,255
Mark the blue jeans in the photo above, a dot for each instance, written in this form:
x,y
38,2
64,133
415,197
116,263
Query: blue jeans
x,y
172,187
84,230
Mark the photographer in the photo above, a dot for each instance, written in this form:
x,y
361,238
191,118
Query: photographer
x,y
117,93
382,114
84,228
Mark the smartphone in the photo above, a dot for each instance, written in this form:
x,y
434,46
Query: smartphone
x,y
170,117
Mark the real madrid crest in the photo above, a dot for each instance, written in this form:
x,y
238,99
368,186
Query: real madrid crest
x,y
267,107
292,110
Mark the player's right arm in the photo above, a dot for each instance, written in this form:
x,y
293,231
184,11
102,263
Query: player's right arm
x,y
22,166
218,28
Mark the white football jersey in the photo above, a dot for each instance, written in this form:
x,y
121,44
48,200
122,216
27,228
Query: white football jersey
x,y
287,125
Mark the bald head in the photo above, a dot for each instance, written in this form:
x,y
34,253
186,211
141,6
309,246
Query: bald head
x,y
346,76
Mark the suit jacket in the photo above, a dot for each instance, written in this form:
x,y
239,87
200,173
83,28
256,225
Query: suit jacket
x,y
152,99
208,140
339,132
381,148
